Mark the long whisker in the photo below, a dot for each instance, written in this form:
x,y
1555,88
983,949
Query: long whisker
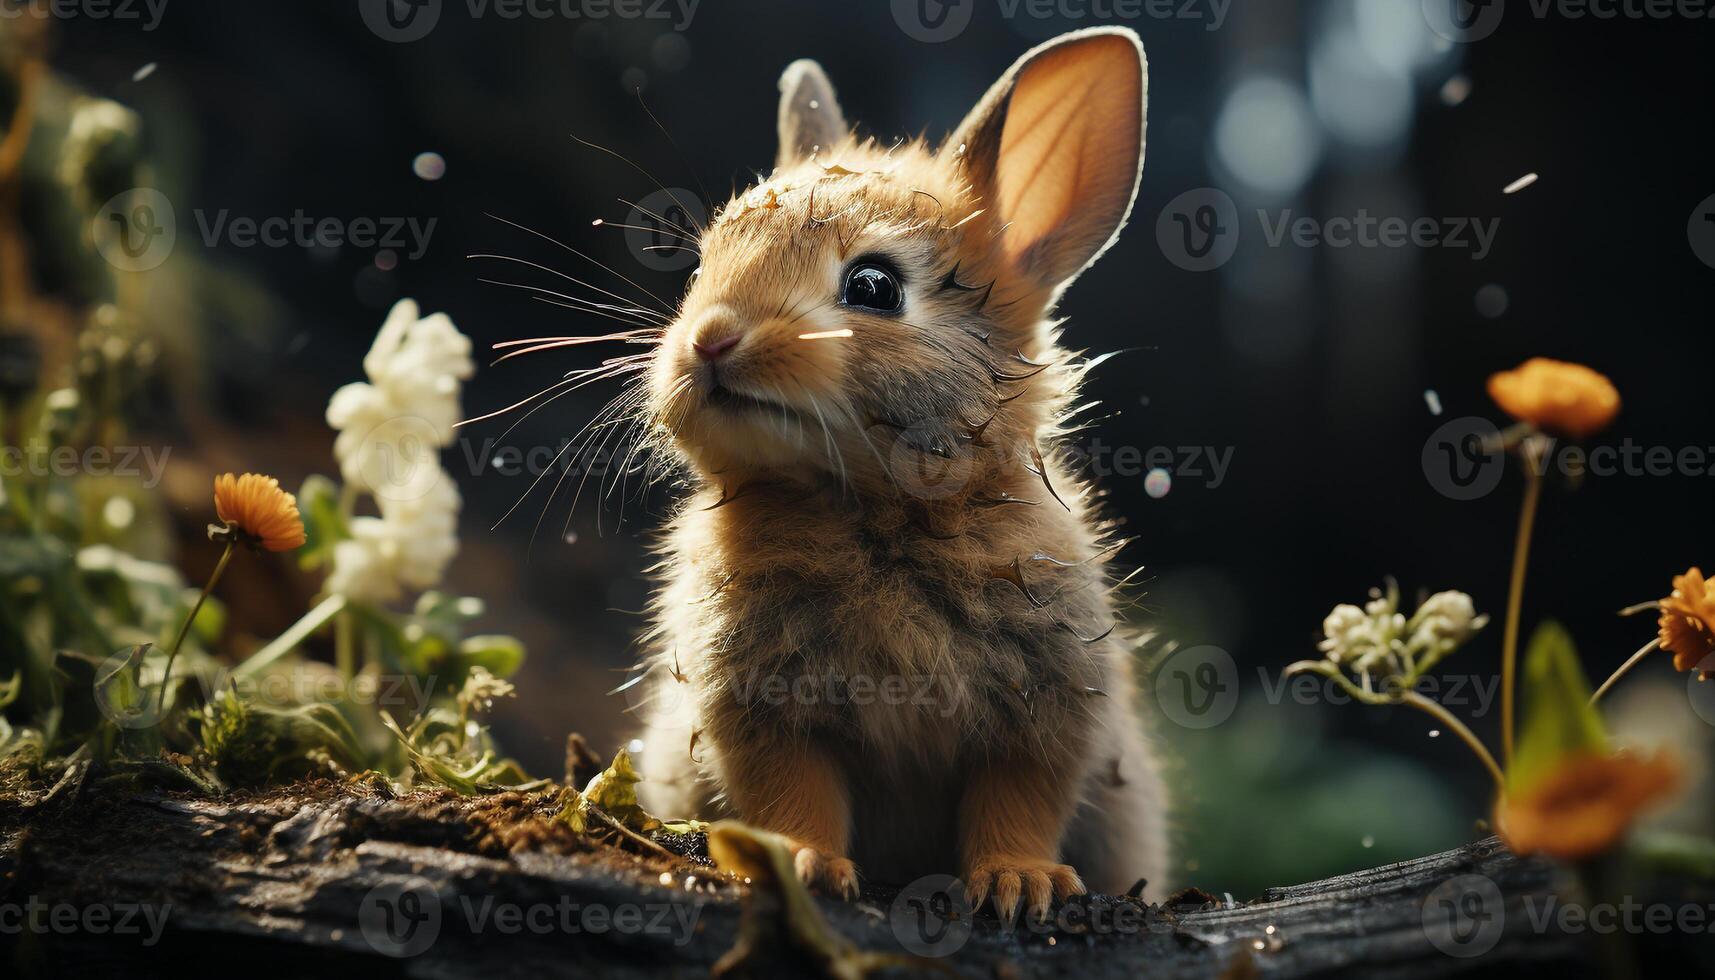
x,y
675,144
569,342
604,223
633,165
684,232
629,308
596,262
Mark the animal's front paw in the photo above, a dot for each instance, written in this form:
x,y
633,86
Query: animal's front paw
x,y
1007,879
836,875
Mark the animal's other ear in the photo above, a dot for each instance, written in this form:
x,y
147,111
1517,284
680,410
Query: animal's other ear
x,y
1056,146
810,116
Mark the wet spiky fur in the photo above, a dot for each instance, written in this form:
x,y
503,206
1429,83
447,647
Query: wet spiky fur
x,y
886,624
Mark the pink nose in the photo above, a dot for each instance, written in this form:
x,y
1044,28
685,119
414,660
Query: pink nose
x,y
712,350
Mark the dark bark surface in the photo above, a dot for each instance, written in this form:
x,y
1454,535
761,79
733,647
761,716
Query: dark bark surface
x,y
334,877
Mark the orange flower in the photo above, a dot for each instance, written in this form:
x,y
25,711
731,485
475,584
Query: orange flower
x,y
1585,805
1569,399
263,513
1688,621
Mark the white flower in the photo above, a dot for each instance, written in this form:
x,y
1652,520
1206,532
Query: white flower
x,y
1379,641
391,430
389,425
409,545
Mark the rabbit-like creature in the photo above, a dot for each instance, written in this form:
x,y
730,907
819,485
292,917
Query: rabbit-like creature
x,y
885,627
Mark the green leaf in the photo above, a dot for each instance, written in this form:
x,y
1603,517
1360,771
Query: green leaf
x,y
1558,719
501,655
324,525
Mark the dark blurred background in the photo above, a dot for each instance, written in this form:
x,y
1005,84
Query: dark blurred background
x,y
1320,368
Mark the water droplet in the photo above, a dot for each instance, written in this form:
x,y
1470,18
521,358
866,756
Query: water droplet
x,y
1456,90
1158,483
1492,301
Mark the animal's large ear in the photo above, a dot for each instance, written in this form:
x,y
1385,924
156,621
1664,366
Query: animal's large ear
x,y
810,116
1056,146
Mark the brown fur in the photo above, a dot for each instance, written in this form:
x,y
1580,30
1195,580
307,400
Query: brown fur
x,y
885,616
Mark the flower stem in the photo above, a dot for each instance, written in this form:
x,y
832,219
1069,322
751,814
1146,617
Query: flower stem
x,y
1635,659
173,651
1515,596
288,641
343,646
1458,728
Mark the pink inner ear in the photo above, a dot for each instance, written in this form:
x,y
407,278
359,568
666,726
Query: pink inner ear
x,y
1069,153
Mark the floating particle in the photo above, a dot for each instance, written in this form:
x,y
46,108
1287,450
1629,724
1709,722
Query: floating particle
x,y
1520,184
1492,301
429,165
386,260
635,746
666,878
634,80
1456,90
1157,483
1143,400
571,537
1368,841
118,512
1435,733
145,71
1433,400
671,52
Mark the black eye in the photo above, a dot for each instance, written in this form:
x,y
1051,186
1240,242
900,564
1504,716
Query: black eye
x,y
874,287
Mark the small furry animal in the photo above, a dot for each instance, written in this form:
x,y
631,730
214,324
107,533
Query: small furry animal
x,y
884,627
